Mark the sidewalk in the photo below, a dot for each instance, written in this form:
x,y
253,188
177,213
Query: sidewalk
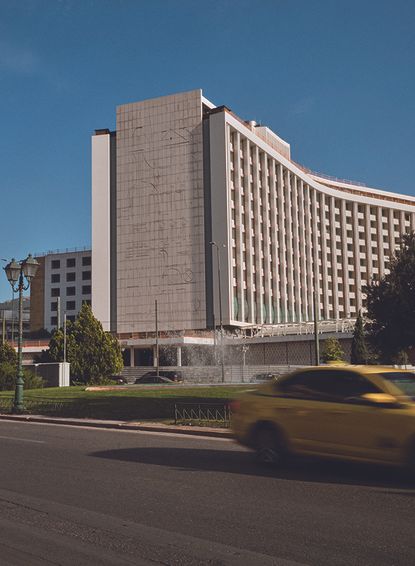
x,y
121,425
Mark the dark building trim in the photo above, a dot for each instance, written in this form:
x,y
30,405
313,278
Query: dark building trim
x,y
210,322
113,231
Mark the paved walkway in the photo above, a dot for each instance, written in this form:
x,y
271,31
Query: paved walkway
x,y
122,425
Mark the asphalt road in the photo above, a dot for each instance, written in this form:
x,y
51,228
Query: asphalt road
x,y
74,496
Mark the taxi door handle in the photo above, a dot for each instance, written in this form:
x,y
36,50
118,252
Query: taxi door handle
x,y
294,410
339,412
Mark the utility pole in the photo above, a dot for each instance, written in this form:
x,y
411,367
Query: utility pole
x,y
58,313
157,340
316,307
12,315
222,362
64,337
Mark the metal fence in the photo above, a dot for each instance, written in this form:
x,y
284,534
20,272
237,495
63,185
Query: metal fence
x,y
202,414
33,406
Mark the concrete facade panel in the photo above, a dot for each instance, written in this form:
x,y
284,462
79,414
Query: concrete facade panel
x,y
160,212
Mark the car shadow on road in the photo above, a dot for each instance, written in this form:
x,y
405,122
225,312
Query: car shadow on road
x,y
243,462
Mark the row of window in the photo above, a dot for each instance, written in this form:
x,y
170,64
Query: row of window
x,y
71,262
70,291
54,319
71,276
70,306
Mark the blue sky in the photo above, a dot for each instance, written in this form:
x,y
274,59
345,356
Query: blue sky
x,y
335,78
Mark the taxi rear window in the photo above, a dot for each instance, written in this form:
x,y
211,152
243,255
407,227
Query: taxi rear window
x,y
405,381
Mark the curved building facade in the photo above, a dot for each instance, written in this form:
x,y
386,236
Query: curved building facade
x,y
179,174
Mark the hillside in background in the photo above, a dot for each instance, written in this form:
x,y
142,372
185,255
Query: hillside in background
x,y
14,305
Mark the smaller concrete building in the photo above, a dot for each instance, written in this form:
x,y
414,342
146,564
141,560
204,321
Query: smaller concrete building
x,y
9,322
61,285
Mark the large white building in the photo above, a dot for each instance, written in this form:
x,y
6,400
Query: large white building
x,y
179,173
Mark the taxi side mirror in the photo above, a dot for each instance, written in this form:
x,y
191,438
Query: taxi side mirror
x,y
383,400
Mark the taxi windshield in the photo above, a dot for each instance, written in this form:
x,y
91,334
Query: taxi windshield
x,y
405,381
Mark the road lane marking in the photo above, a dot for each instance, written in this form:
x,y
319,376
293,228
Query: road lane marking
x,y
23,439
119,429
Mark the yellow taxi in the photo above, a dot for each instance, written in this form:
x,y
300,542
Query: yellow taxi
x,y
362,413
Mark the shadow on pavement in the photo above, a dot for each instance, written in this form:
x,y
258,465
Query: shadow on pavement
x,y
243,462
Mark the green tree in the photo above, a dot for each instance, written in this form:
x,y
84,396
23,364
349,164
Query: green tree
x,y
360,353
391,303
332,351
94,354
7,354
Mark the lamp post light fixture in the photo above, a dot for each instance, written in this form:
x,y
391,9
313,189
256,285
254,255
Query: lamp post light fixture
x,y
17,272
214,244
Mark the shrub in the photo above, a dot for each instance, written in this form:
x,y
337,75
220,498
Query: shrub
x,y
33,381
8,373
7,376
332,351
7,354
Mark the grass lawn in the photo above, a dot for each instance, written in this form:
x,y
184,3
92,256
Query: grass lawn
x,y
125,404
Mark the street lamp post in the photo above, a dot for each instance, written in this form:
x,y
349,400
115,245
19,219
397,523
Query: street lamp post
x,y
220,310
17,272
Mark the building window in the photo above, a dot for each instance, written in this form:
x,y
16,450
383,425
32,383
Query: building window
x,y
71,317
55,292
70,276
55,278
86,260
87,301
54,306
70,262
70,291
56,263
86,289
86,275
54,320
70,305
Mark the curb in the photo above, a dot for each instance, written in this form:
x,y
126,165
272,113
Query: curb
x,y
118,425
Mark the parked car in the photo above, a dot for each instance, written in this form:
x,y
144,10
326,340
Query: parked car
x,y
173,375
163,377
262,377
362,413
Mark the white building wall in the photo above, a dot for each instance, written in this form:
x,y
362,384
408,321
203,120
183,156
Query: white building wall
x,y
71,283
221,188
294,236
101,227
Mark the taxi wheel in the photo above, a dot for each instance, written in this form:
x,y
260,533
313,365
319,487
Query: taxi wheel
x,y
269,447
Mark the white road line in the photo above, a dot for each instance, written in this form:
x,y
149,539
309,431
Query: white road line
x,y
23,439
166,433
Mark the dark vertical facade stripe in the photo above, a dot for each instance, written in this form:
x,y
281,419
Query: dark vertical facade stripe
x,y
113,231
208,223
